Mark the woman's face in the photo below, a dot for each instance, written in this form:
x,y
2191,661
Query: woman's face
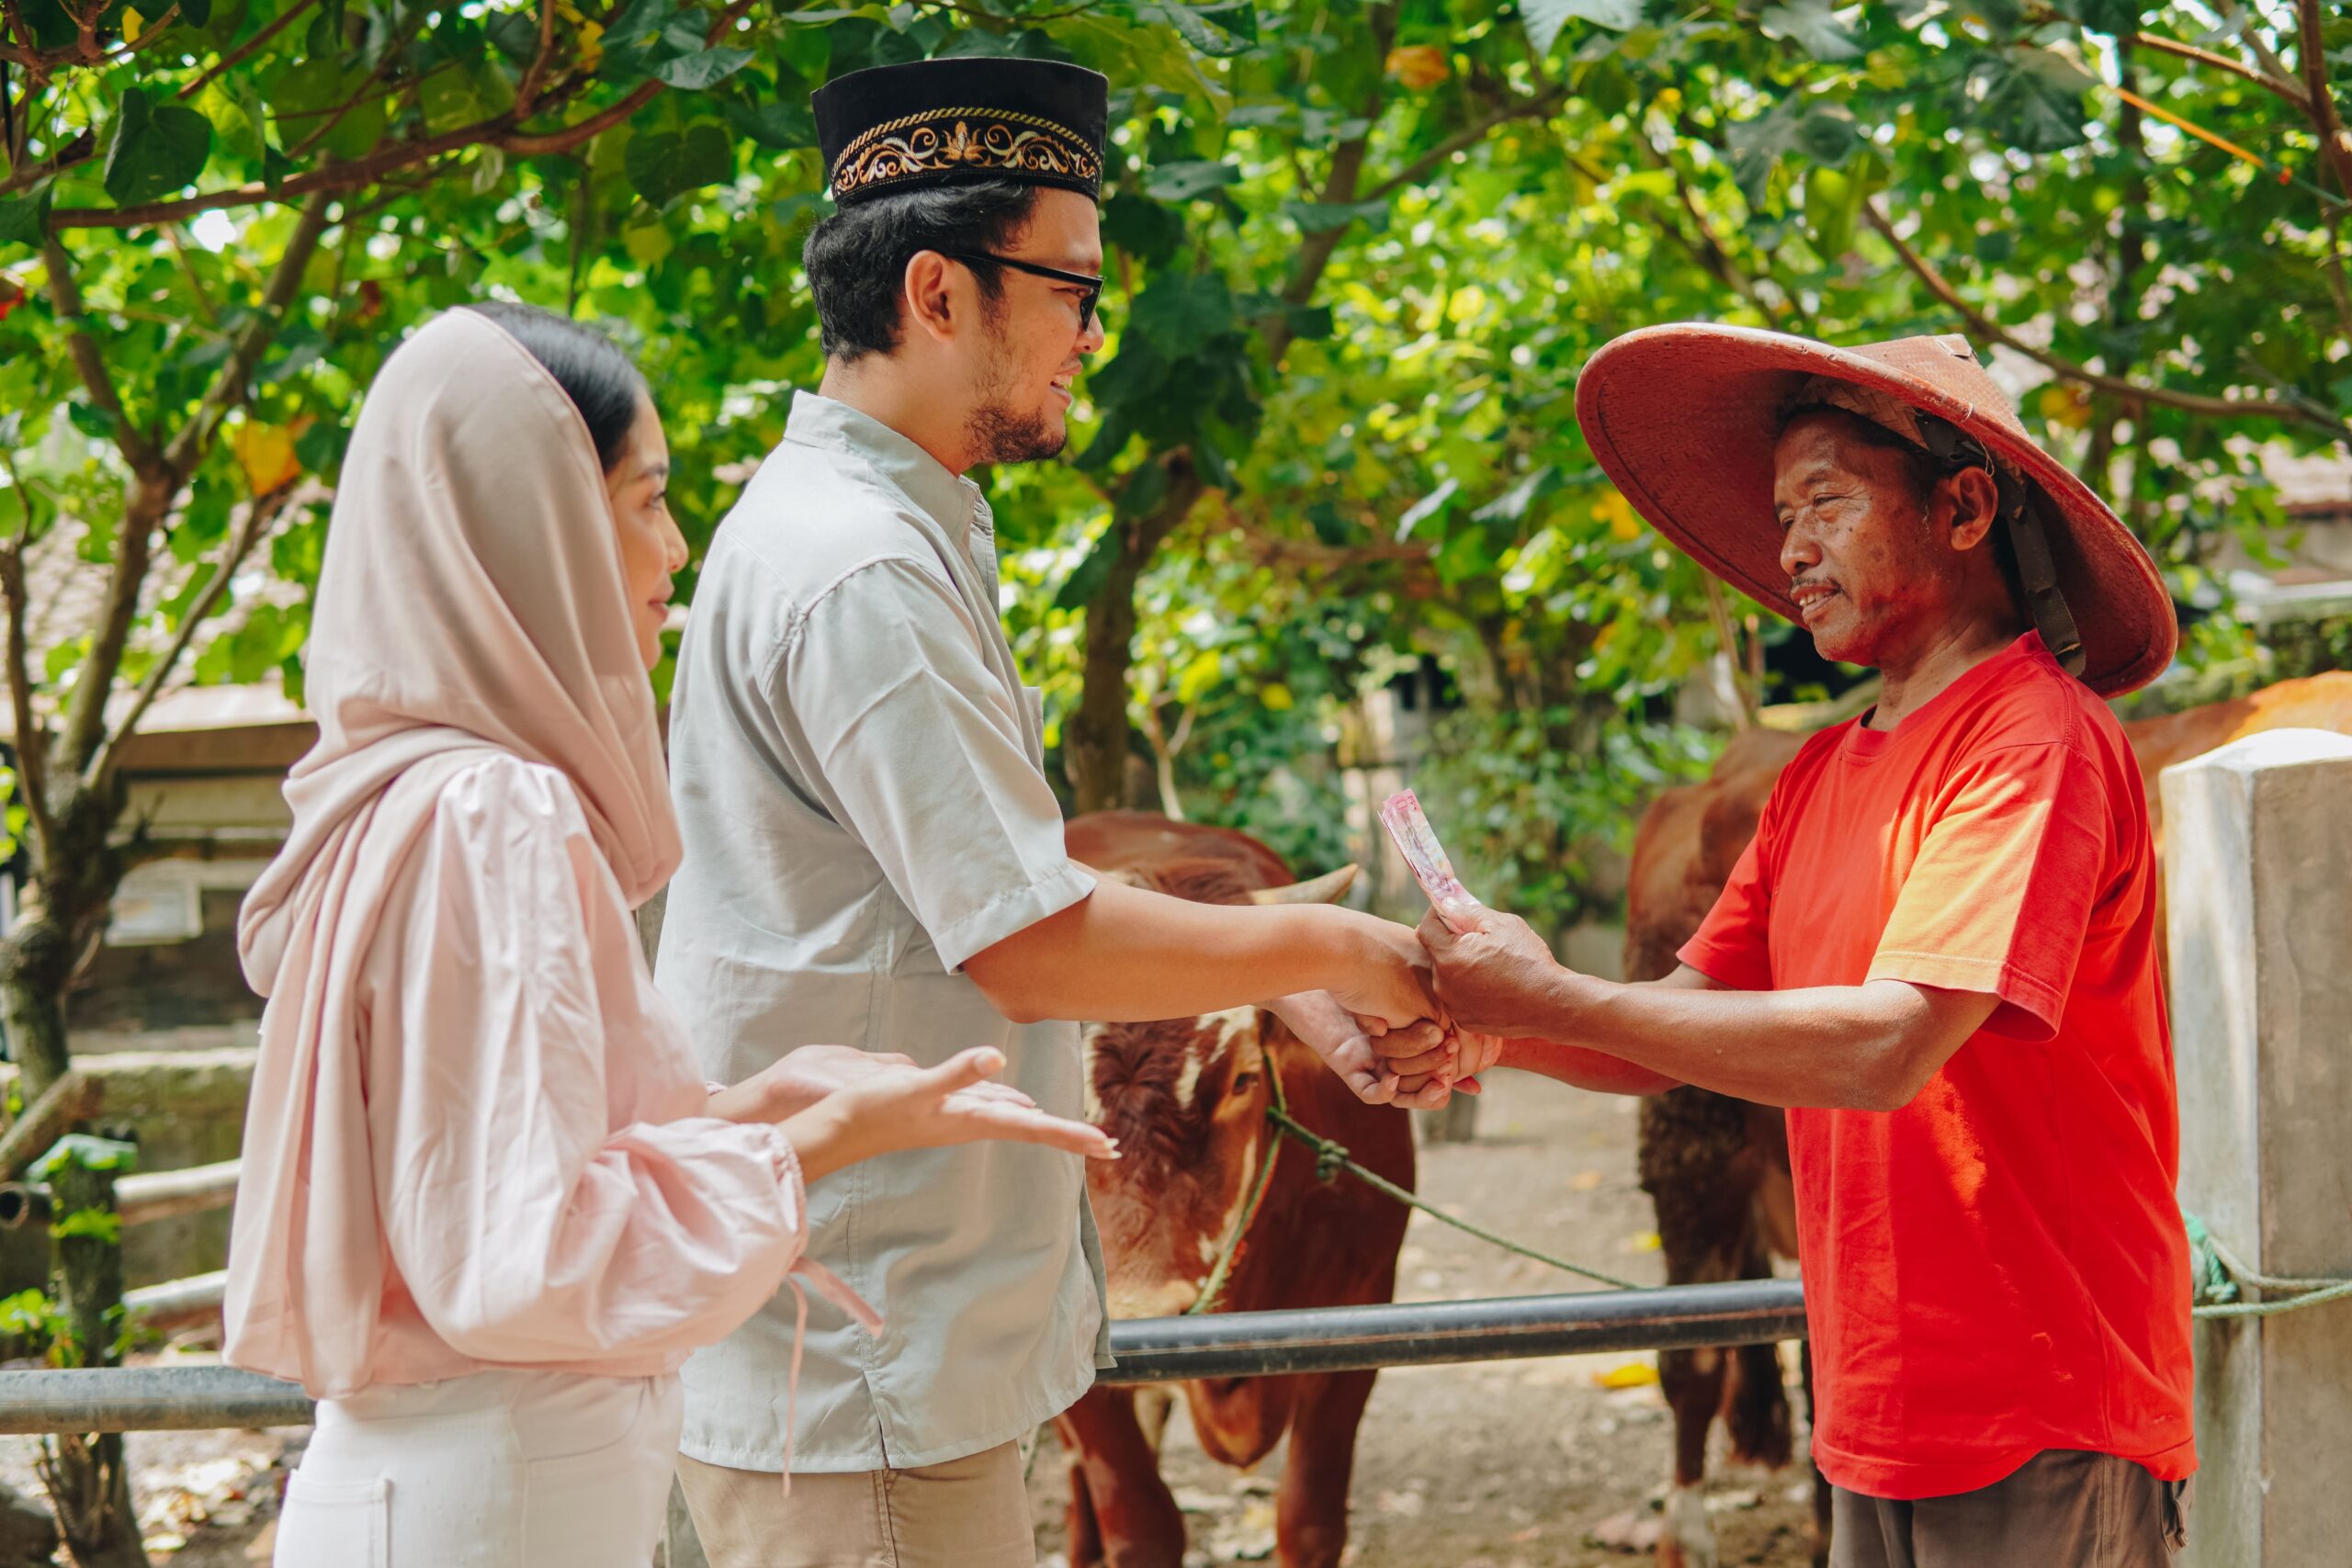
x,y
651,547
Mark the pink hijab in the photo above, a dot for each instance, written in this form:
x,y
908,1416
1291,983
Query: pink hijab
x,y
471,600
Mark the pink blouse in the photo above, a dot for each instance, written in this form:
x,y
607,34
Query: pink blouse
x,y
546,1190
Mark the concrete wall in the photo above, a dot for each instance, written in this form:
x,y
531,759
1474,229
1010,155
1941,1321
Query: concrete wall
x,y
183,1108
2258,863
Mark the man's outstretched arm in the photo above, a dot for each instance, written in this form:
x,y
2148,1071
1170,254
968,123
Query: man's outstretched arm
x,y
1869,1047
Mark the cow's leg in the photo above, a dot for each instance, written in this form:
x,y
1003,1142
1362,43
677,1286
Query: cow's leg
x,y
1311,1509
1692,1382
1085,1534
1135,1520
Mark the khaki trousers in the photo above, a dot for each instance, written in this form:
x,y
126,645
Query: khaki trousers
x,y
967,1513
2063,1509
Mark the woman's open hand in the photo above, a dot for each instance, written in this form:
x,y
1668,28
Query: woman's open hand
x,y
907,1107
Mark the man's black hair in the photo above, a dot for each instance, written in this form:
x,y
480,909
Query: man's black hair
x,y
595,372
857,258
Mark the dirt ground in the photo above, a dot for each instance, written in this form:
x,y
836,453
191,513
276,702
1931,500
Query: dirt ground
x,y
1552,1463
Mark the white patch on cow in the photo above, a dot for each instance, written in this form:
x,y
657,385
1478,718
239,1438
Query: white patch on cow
x,y
1154,1403
1688,1527
1165,1299
1229,1024
1086,1036
1188,1080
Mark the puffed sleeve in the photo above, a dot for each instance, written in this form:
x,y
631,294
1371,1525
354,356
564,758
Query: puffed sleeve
x,y
525,1225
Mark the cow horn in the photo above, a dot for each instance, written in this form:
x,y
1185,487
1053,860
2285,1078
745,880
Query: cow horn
x,y
1328,889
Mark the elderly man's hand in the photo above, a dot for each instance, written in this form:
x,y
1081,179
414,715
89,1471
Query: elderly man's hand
x,y
1491,978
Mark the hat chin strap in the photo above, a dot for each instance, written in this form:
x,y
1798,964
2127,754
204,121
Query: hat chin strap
x,y
2039,577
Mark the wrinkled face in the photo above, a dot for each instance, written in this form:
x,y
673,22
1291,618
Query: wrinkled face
x,y
1186,1099
1036,341
1864,565
653,550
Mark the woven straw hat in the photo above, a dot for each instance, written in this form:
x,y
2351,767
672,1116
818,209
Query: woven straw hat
x,y
1684,418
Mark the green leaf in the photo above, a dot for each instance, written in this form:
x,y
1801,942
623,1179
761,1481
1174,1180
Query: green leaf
x,y
1187,180
1219,31
23,215
156,149
1087,578
1813,25
703,69
1322,216
88,1152
2031,98
781,125
1544,19
1181,312
196,13
666,164
2112,17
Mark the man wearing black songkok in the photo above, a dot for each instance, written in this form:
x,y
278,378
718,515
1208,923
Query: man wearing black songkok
x,y
873,858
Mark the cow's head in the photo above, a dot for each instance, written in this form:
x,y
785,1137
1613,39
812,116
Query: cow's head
x,y
1186,1098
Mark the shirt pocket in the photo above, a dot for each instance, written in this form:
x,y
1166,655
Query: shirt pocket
x,y
334,1524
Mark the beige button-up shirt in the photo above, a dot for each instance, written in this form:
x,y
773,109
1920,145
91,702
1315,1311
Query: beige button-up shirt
x,y
858,772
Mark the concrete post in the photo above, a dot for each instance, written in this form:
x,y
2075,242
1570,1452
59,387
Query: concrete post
x,y
2258,884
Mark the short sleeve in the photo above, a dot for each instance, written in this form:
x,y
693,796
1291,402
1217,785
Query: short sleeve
x,y
1734,946
1999,896
922,745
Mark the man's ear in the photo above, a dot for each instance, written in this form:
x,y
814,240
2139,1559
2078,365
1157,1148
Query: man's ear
x,y
1976,504
926,294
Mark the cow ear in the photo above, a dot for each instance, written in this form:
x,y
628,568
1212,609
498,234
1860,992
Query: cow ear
x,y
1328,888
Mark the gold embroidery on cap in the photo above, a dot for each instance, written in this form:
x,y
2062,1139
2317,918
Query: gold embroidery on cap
x,y
946,139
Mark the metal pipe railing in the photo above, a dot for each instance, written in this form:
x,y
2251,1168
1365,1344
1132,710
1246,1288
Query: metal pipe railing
x,y
1158,1349
138,1198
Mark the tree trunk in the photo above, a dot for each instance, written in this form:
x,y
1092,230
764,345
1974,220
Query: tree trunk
x,y
1096,743
89,1479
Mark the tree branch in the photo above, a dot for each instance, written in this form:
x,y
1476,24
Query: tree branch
x,y
527,93
89,360
1985,327
2284,89
1469,136
31,741
502,131
261,517
81,738
79,150
238,55
227,389
2314,50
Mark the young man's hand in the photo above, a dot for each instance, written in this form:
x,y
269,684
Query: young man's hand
x,y
1345,1043
1388,985
1493,977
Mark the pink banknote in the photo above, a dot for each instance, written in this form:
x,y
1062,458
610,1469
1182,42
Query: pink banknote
x,y
1401,815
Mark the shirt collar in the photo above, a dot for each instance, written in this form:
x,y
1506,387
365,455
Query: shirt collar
x,y
949,500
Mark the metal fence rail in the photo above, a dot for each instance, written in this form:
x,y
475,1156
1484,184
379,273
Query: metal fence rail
x,y
1157,1349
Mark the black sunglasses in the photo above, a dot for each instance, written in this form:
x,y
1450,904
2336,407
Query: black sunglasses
x,y
1086,301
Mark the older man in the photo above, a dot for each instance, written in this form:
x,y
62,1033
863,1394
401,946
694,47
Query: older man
x,y
1940,952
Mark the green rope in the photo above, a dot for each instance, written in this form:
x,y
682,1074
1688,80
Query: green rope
x,y
1213,1286
2220,1275
1331,1157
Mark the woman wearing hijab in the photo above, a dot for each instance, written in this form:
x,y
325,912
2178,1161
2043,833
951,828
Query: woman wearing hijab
x,y
488,1204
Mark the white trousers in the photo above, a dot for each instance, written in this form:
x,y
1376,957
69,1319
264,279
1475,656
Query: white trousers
x,y
497,1469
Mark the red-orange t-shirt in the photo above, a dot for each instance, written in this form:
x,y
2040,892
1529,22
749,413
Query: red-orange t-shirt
x,y
2000,1267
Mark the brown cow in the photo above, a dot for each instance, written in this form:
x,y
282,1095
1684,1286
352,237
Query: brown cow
x,y
1717,1168
1187,1100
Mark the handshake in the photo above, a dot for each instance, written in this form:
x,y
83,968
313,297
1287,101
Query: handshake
x,y
1429,1009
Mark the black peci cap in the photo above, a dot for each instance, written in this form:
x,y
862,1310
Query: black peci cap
x,y
936,122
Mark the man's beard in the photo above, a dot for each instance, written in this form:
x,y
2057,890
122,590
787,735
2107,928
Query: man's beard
x,y
996,432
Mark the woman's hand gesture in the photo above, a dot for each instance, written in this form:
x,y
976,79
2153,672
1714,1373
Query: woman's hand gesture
x,y
906,1107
